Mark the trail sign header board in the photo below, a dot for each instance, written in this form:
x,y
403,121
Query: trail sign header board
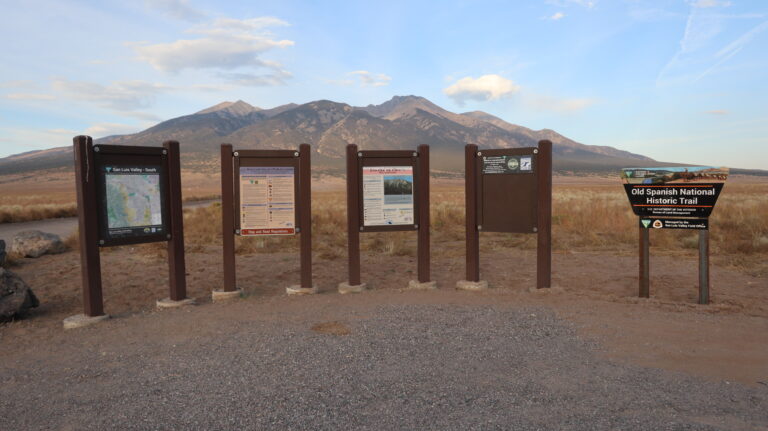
x,y
674,191
131,184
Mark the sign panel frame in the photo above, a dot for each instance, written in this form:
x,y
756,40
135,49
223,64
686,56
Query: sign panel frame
x,y
396,158
508,198
280,158
114,156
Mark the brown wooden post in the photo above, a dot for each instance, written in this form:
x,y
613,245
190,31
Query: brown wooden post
x,y
176,261
704,267
470,196
645,255
228,217
544,216
353,214
424,224
305,215
90,262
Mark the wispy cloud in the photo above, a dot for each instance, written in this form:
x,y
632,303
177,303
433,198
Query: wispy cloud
x,y
234,46
125,97
703,47
557,16
589,4
718,112
29,96
555,104
100,130
178,9
484,88
368,79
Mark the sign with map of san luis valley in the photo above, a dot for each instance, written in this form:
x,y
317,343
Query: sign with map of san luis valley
x,y
689,191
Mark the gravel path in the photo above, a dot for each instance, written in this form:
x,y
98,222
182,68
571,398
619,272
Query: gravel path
x,y
441,367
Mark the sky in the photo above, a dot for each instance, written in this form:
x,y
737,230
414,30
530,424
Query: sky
x,y
676,80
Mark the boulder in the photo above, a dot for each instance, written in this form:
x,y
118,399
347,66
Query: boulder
x,y
2,252
33,243
16,298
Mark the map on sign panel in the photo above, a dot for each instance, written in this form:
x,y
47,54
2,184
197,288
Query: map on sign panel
x,y
133,197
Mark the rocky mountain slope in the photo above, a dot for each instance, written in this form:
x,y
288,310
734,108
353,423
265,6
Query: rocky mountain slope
x,y
400,123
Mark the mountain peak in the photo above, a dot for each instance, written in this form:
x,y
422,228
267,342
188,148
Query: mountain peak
x,y
236,108
399,106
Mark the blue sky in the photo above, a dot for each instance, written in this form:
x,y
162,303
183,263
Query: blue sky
x,y
682,80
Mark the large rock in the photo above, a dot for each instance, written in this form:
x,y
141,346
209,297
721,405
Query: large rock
x,y
16,298
2,252
34,243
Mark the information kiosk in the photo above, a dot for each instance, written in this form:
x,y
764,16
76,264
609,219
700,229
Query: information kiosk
x,y
127,195
265,192
508,190
387,191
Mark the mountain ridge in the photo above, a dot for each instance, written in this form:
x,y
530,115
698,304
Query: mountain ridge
x,y
403,122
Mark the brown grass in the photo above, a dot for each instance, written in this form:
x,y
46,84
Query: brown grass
x,y
585,218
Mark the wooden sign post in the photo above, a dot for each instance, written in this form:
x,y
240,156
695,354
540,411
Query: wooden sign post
x,y
265,192
674,198
387,191
508,190
127,195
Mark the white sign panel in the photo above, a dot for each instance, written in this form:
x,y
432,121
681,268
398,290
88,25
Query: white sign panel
x,y
387,195
267,201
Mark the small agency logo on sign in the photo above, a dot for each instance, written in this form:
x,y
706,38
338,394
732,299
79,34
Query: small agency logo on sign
x,y
688,191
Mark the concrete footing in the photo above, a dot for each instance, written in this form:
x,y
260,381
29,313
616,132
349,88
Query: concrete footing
x,y
170,303
81,320
471,285
223,296
345,288
417,285
298,290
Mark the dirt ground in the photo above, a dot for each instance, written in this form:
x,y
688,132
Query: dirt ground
x,y
726,340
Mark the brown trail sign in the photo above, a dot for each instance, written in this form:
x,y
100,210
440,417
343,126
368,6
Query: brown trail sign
x,y
674,198
387,191
508,190
127,195
265,192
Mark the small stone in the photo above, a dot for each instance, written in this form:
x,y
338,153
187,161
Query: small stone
x,y
16,298
34,243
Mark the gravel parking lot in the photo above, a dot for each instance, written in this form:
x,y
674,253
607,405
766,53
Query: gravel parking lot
x,y
379,367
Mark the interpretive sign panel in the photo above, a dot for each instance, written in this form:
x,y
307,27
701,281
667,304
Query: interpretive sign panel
x,y
674,191
508,190
131,191
674,223
388,195
267,200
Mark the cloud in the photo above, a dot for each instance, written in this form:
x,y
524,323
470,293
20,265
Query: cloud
x,y
704,4
368,79
557,16
99,130
554,104
718,112
589,4
226,44
706,43
18,84
29,96
484,88
178,9
125,97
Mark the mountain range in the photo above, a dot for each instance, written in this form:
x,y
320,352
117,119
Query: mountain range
x,y
400,123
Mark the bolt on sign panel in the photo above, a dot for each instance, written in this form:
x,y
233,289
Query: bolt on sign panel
x,y
131,190
267,200
509,190
266,190
687,191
